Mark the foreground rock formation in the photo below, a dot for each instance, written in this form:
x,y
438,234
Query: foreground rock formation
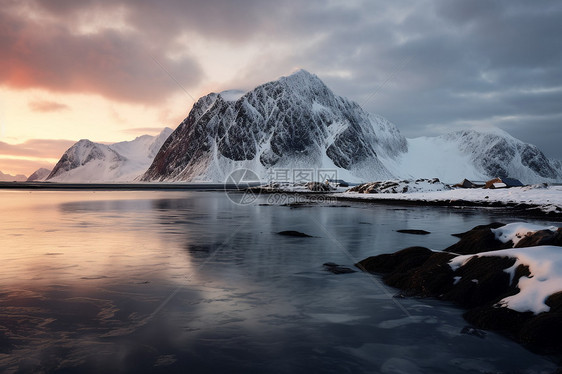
x,y
489,272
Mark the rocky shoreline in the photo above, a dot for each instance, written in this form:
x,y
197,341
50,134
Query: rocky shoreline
x,y
519,209
540,201
482,283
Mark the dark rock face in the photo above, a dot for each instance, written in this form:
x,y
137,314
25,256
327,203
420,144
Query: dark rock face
x,y
296,119
535,160
478,285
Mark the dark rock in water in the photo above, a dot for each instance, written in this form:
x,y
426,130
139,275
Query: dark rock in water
x,y
478,285
540,333
414,232
417,271
332,267
493,225
431,278
468,330
479,239
482,239
297,234
405,259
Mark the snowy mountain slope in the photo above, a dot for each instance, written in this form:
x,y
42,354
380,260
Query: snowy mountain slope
x,y
511,156
39,175
12,178
294,122
476,155
87,161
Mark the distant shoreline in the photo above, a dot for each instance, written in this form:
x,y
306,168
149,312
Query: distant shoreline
x,y
519,208
124,186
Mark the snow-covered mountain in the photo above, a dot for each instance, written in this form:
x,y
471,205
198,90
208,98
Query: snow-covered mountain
x,y
12,178
39,175
476,155
87,161
292,123
297,122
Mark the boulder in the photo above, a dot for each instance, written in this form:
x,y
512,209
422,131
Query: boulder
x,y
294,233
413,232
479,239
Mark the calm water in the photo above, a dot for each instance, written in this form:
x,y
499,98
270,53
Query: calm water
x,y
188,281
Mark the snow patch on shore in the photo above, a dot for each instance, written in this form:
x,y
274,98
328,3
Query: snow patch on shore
x,y
545,266
547,198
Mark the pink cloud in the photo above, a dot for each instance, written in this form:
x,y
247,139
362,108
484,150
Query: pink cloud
x,y
47,106
109,63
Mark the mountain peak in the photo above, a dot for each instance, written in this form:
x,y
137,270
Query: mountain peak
x,y
87,161
302,78
293,122
302,73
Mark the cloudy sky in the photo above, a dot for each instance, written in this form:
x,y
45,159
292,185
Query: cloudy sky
x,y
111,70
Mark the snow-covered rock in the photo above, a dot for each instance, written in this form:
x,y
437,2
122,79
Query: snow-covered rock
x,y
545,278
294,122
515,288
401,186
87,161
39,175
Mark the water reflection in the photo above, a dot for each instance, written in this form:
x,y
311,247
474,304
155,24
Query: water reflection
x,y
164,281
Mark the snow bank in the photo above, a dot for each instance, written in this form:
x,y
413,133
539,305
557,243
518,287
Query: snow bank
x,y
545,266
544,262
548,199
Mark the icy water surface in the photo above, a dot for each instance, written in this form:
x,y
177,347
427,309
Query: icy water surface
x,y
162,281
